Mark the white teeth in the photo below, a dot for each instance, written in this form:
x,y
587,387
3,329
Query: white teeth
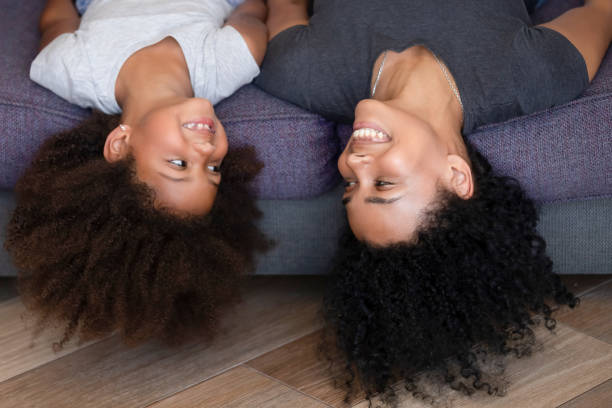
x,y
197,126
366,134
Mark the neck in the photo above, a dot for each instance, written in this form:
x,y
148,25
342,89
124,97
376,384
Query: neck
x,y
414,82
152,77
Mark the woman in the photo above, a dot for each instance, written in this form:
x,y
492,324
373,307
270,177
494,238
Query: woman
x,y
123,224
443,253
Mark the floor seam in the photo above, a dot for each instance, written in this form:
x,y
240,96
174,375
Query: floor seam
x,y
223,371
587,391
287,385
94,342
584,332
587,291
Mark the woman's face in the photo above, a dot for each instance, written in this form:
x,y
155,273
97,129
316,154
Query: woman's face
x,y
178,150
393,166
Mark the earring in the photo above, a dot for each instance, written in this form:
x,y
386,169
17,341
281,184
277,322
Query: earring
x,y
123,127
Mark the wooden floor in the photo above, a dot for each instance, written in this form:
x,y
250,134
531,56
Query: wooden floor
x,y
266,356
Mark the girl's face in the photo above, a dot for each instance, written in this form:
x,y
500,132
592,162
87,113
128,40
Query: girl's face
x,y
178,150
393,166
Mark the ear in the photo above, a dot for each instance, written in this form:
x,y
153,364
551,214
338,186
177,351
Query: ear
x,y
461,181
116,146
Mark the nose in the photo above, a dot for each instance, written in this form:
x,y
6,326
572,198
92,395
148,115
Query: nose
x,y
359,159
204,149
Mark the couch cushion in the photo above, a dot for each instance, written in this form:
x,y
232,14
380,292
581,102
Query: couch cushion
x,y
297,147
28,113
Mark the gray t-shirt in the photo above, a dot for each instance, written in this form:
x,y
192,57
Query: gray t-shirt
x,y
82,67
503,67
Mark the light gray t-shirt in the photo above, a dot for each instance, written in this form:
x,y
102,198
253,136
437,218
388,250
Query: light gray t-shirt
x,y
82,67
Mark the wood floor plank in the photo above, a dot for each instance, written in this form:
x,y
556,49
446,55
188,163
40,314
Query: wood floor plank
x,y
580,284
594,314
240,387
108,374
19,350
598,397
569,364
301,365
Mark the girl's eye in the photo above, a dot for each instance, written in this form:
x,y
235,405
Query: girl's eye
x,y
178,163
382,183
349,184
216,169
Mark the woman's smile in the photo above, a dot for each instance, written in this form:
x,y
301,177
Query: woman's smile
x,y
369,135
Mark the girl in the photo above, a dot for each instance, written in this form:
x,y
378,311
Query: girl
x,y
123,224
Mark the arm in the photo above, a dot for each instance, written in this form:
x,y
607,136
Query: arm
x,y
284,14
589,29
248,20
58,17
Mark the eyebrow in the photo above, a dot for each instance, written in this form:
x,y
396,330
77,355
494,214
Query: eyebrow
x,y
374,200
178,180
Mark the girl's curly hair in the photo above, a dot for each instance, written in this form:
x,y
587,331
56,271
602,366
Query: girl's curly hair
x,y
93,252
474,276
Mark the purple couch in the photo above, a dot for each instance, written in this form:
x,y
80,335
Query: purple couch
x,y
561,156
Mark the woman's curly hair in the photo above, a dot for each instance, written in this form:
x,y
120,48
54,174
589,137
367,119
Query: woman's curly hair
x,y
93,252
474,276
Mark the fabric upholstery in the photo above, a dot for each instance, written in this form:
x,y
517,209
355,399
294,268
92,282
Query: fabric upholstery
x,y
299,148
578,235
28,113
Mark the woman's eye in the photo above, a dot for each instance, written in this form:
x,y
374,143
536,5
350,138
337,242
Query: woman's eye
x,y
348,184
216,169
382,183
178,163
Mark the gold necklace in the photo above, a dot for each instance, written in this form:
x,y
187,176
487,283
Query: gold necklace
x,y
450,83
442,67
382,64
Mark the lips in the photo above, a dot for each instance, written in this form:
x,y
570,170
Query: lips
x,y
200,125
370,135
